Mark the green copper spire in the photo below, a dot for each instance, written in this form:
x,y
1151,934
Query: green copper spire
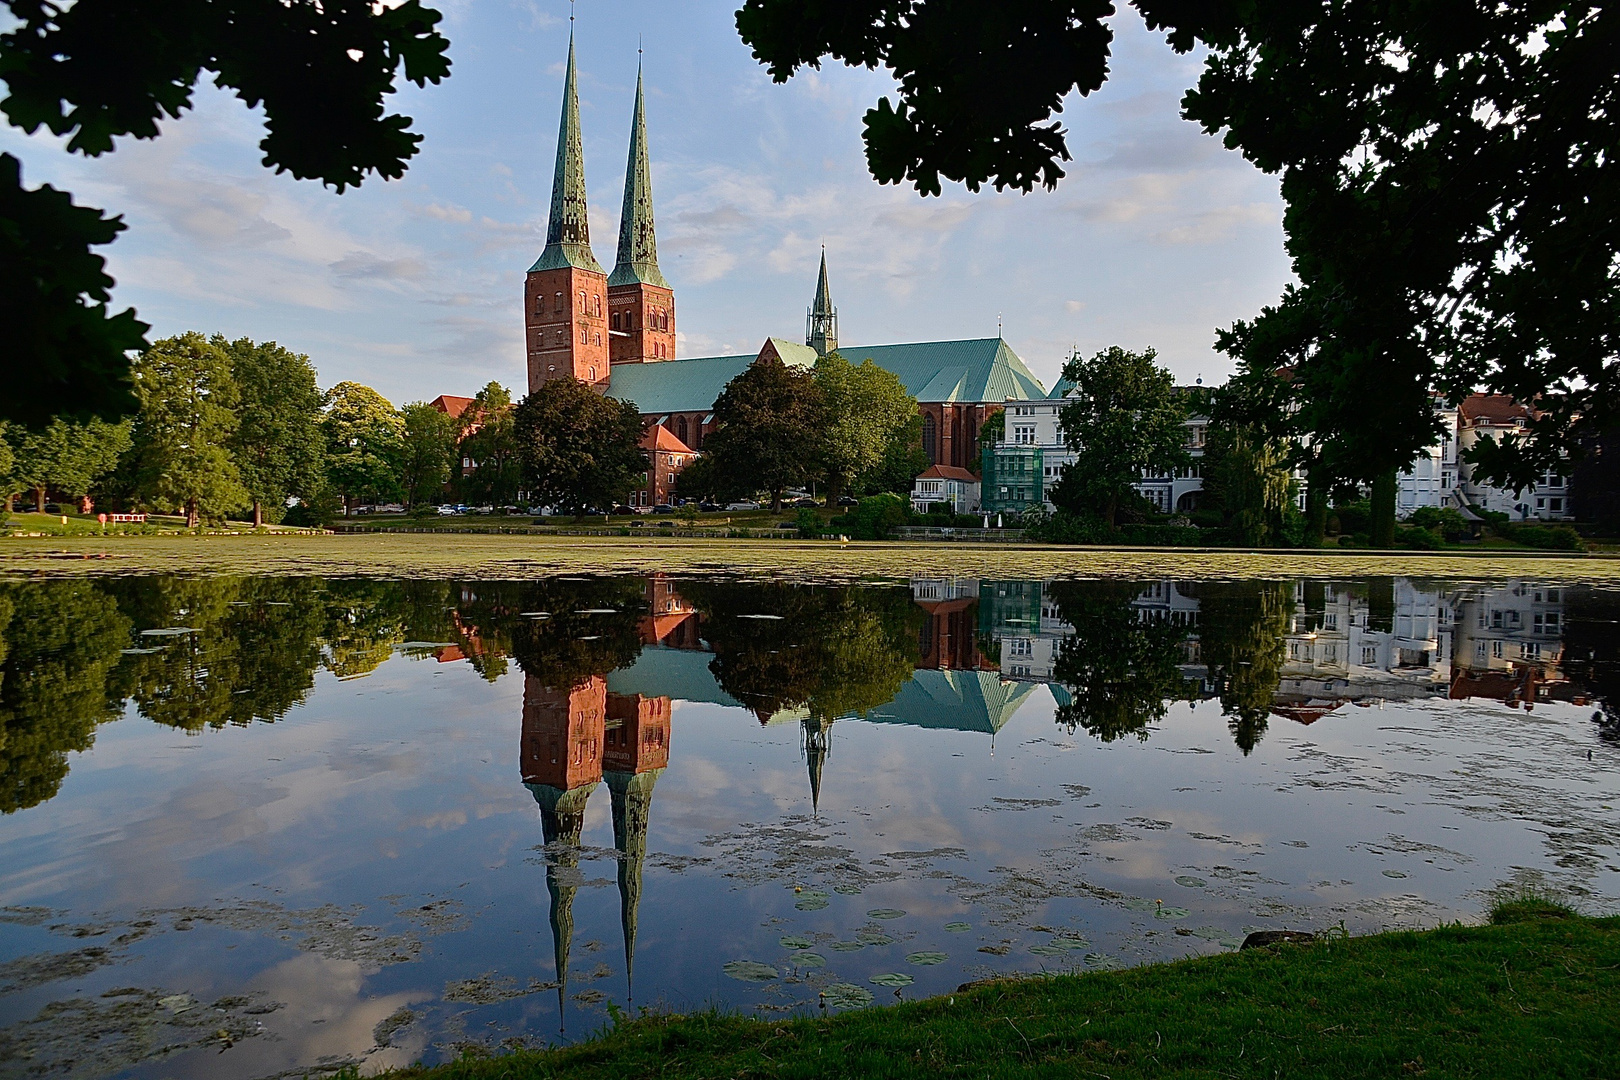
x,y
568,233
821,321
638,248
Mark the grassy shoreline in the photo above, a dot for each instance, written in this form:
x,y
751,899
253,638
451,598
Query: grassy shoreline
x,y
1534,993
510,556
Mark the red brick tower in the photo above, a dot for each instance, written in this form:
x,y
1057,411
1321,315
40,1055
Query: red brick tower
x,y
642,303
565,303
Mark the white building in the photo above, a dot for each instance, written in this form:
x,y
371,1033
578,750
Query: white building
x,y
1498,415
1431,480
947,484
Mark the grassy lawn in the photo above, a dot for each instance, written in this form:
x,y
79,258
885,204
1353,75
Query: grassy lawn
x,y
477,555
1534,994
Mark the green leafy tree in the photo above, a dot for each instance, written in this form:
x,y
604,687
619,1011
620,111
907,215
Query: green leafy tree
x,y
865,408
903,458
1248,480
490,440
766,419
66,456
364,439
427,452
60,643
1448,171
1124,420
1119,670
184,428
581,451
9,482
277,445
95,70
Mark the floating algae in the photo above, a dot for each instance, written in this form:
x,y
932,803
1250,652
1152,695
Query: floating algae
x,y
885,913
1103,962
29,971
926,958
1393,873
488,989
383,1034
895,979
750,970
846,996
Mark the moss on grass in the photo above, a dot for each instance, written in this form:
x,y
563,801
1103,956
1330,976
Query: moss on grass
x,y
517,556
1534,994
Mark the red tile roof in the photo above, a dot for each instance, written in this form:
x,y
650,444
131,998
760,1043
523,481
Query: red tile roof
x,y
1494,409
660,438
449,403
947,472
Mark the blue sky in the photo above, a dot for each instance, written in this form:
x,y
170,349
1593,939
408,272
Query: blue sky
x,y
1156,237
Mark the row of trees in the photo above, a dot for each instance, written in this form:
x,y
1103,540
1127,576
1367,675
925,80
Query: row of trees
x,y
240,427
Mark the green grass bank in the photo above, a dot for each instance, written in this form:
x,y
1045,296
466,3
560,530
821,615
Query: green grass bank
x,y
1535,993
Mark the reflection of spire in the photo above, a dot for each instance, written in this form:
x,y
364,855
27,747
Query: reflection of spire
x,y
817,741
562,817
632,804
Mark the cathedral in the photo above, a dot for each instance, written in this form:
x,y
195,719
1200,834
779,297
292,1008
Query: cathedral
x,y
616,331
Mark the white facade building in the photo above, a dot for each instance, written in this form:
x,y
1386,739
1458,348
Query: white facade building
x,y
1498,415
1432,478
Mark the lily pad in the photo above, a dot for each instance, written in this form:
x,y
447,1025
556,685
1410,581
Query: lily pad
x,y
1394,873
1168,912
1102,962
793,941
895,979
1070,942
1191,882
808,959
926,958
750,970
873,937
1136,903
847,996
958,927
847,946
885,913
1048,950
811,903
847,890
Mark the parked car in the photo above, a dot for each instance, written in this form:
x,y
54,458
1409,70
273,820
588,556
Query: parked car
x,y
390,508
484,510
806,501
620,508
448,510
709,507
848,500
663,508
745,505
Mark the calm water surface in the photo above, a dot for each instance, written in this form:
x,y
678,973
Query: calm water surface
x,y
264,827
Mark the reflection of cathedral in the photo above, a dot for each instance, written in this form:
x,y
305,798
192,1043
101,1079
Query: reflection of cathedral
x,y
573,739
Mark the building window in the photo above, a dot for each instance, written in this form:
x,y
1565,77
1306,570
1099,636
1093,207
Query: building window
x,y
593,374
582,307
680,429
1556,506
930,438
615,320
558,305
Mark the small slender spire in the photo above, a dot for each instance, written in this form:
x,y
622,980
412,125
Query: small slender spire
x,y
568,232
821,321
637,261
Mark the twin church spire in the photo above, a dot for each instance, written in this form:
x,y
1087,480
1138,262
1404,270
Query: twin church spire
x,y
578,321
568,235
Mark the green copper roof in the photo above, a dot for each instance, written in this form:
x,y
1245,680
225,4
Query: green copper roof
x,y
638,247
568,232
975,370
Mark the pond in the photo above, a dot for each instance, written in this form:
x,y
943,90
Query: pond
x,y
257,827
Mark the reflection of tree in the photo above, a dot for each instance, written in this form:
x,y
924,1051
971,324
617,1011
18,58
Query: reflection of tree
x,y
1119,668
364,621
590,627
835,650
59,643
1241,628
1592,653
252,655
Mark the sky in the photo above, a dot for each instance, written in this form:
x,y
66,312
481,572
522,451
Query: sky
x,y
1156,237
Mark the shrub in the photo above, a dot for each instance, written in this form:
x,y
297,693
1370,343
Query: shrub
x,y
1444,521
808,522
874,516
1548,538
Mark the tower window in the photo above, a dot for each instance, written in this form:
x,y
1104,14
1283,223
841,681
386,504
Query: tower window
x,y
584,336
582,300
558,305
615,320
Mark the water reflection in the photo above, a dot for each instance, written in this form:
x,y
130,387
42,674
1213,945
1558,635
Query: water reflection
x,y
609,668
964,654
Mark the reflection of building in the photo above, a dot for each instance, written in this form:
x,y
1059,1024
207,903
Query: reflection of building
x,y
948,635
572,739
1509,644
